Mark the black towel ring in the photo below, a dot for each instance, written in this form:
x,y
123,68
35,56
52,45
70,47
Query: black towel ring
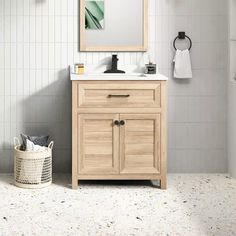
x,y
182,35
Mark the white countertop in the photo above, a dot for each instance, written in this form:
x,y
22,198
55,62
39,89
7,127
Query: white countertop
x,y
127,77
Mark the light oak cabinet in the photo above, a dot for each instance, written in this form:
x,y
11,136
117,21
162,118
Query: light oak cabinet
x,y
119,130
98,151
140,144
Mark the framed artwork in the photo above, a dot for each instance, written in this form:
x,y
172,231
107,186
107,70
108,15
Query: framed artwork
x,y
94,15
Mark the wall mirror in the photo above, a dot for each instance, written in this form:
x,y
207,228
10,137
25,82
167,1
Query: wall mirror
x,y
113,25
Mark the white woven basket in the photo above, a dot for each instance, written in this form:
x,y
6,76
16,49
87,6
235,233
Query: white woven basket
x,y
32,169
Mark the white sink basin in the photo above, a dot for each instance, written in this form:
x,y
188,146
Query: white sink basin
x,y
103,76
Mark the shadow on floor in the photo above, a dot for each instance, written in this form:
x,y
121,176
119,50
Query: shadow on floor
x,y
66,182
119,183
7,179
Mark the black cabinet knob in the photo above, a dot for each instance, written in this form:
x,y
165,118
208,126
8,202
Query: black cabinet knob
x,y
116,122
122,122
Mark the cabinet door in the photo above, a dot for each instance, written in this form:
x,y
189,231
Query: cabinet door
x,y
140,144
98,144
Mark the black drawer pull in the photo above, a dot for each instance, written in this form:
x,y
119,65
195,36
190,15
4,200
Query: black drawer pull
x,y
116,122
122,122
118,95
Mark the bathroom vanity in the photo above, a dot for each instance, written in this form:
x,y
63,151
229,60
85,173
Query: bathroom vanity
x,y
118,128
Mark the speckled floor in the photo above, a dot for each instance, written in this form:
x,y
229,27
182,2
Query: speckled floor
x,y
192,205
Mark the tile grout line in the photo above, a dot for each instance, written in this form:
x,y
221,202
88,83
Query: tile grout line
x,y
23,54
41,46
49,45
35,56
29,54
4,30
10,100
16,69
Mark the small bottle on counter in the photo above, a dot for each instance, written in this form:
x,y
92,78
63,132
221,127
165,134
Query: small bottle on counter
x,y
150,68
79,68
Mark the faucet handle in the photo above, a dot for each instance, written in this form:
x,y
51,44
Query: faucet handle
x,y
115,57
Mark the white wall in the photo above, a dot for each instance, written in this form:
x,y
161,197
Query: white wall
x,y
232,129
39,39
232,90
196,109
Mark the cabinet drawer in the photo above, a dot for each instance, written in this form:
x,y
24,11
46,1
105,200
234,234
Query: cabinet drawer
x,y
119,95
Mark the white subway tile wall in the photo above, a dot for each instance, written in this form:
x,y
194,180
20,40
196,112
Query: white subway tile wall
x,y
39,39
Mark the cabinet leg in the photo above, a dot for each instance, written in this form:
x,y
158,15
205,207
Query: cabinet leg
x,y
163,183
74,183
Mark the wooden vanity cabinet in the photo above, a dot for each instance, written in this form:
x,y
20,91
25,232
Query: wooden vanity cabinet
x,y
119,130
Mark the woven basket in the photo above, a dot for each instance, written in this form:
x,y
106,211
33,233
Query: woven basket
x,y
32,169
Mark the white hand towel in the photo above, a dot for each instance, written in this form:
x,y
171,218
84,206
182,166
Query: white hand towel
x,y
182,65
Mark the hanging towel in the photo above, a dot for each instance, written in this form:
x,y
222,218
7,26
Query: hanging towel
x,y
182,65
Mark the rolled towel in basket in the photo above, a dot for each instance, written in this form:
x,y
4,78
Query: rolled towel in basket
x,y
30,146
39,140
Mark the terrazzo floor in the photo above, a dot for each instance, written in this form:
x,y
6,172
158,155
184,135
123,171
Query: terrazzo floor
x,y
193,205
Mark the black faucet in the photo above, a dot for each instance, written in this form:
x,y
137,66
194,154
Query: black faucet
x,y
114,66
